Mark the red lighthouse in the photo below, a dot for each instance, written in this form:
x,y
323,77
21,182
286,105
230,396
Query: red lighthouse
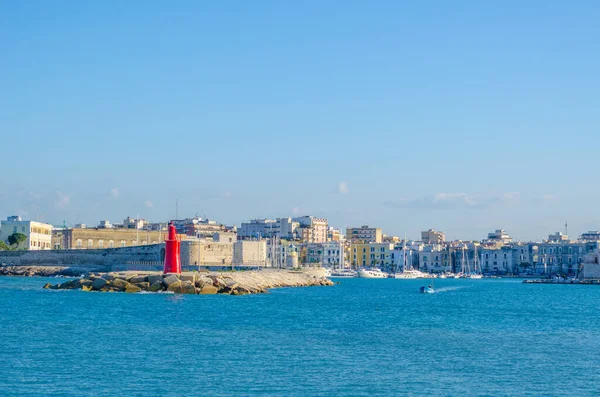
x,y
172,261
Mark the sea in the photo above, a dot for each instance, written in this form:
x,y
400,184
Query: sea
x,y
378,337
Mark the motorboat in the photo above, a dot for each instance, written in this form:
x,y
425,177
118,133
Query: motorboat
x,y
474,275
410,273
327,272
371,273
426,289
344,273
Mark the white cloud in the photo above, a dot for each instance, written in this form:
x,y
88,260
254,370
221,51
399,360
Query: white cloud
x,y
114,192
148,204
548,197
343,188
460,200
62,200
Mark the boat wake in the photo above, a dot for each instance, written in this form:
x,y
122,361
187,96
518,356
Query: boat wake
x,y
447,289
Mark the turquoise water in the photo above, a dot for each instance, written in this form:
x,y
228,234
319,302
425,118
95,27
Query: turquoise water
x,y
360,338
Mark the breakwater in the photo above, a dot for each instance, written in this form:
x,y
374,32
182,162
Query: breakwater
x,y
562,281
231,283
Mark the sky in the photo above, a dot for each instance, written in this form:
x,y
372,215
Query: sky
x,y
462,116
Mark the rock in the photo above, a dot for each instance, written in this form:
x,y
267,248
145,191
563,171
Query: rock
x,y
219,283
205,280
241,291
86,288
175,287
156,286
99,283
208,290
144,285
108,277
73,284
170,279
119,284
138,279
231,284
182,287
154,278
187,287
132,289
188,277
48,286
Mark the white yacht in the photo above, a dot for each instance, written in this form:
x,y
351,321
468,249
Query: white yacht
x,y
371,273
327,272
344,273
410,273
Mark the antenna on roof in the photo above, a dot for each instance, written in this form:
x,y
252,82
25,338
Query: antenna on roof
x,y
566,228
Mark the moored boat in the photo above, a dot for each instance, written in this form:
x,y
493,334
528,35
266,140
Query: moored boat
x,y
344,273
371,273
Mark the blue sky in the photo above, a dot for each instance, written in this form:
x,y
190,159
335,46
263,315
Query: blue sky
x,y
463,116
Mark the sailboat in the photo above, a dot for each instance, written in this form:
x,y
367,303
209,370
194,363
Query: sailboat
x,y
476,273
407,270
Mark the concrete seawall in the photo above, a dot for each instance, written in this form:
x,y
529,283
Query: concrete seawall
x,y
94,260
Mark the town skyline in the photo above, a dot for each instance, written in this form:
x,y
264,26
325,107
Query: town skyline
x,y
390,113
118,222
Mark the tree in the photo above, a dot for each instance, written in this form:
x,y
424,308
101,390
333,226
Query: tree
x,y
3,246
16,239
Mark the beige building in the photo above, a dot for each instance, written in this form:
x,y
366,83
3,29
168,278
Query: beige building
x,y
206,253
314,230
99,238
250,253
39,235
364,234
432,236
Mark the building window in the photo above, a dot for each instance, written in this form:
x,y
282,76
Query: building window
x,y
90,243
111,244
123,243
100,243
79,243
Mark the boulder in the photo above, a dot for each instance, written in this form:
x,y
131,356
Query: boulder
x,y
144,285
204,280
154,278
208,290
187,287
98,284
73,284
132,289
86,288
191,277
119,284
108,277
219,282
170,279
138,279
156,286
175,287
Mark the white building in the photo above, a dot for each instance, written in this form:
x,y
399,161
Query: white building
x,y
497,260
499,236
329,254
39,235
